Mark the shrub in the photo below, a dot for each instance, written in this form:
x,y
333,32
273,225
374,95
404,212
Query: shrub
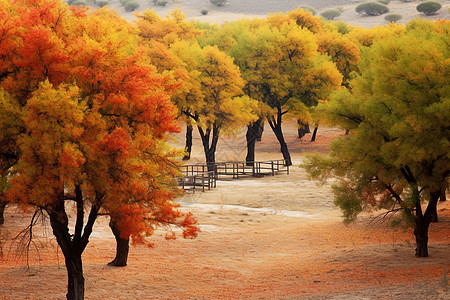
x,y
131,6
204,11
123,2
429,7
310,9
372,8
330,14
385,2
79,3
161,2
70,2
392,17
218,2
102,3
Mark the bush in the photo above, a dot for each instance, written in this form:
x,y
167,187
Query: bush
x,y
330,14
385,2
131,6
218,2
123,2
429,7
392,17
310,9
372,8
204,11
79,3
161,2
102,3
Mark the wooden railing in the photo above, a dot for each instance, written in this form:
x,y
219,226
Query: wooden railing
x,y
204,176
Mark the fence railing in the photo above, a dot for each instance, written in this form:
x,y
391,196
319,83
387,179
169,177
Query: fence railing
x,y
204,176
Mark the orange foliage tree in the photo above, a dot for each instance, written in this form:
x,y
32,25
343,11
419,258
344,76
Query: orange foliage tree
x,y
87,118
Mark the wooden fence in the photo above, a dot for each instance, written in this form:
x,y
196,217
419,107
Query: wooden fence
x,y
205,176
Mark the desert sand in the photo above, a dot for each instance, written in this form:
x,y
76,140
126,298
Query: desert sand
x,y
276,237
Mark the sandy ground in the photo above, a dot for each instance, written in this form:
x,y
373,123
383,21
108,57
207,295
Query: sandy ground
x,y
238,9
275,237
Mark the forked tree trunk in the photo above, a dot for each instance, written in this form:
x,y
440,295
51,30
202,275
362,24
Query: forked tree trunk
x,y
276,128
422,224
2,212
210,144
72,246
188,147
303,129
254,132
72,255
122,247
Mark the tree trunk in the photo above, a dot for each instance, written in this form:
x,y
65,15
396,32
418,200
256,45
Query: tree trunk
x,y
188,147
276,128
122,247
303,129
2,211
422,222
73,245
421,233
260,129
210,144
254,132
74,268
72,254
313,137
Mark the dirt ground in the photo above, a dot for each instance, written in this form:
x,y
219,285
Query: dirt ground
x,y
275,237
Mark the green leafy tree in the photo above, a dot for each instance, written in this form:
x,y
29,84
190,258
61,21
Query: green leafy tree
x,y
397,157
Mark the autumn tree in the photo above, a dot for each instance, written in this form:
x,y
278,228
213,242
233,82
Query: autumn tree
x,y
397,157
282,68
212,97
160,34
88,122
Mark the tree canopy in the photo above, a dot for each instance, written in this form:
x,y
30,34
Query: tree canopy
x,y
397,110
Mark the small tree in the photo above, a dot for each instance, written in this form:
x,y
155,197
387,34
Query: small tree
x,y
429,7
393,17
372,9
330,14
131,6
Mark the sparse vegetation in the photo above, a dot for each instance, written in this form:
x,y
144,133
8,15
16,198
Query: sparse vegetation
x,y
204,11
218,2
102,3
429,7
385,2
393,17
372,9
131,6
160,2
330,14
79,3
310,9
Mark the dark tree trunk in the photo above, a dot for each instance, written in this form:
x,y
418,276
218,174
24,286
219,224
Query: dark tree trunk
x,y
72,246
122,247
276,128
254,132
210,144
347,132
313,137
303,129
422,223
443,196
74,268
188,147
260,129
2,211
